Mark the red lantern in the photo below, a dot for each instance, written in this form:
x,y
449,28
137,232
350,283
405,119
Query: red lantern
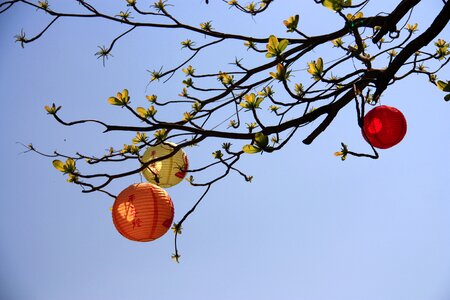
x,y
384,126
143,212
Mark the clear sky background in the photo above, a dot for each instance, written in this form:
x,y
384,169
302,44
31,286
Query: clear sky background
x,y
308,227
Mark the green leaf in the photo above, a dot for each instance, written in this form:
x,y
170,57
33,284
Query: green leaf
x,y
188,82
217,154
176,257
336,5
59,165
189,70
187,116
121,99
142,112
331,5
337,42
315,68
258,101
251,101
275,48
161,134
250,149
273,42
197,106
282,45
261,140
125,94
291,23
271,46
72,178
69,166
151,98
447,97
281,73
114,101
51,110
443,86
319,64
177,228
139,138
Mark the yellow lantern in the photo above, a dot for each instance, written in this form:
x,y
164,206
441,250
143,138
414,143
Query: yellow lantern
x,y
167,172
143,212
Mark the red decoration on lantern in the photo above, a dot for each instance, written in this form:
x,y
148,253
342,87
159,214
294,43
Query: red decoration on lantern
x,y
384,126
143,212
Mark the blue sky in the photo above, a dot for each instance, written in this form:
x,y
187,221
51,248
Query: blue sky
x,y
308,227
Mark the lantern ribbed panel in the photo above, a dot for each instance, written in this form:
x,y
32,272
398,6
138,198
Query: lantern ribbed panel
x,y
170,171
143,212
384,126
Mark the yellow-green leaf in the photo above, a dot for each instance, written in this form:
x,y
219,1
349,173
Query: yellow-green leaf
x,y
51,110
336,5
337,42
59,165
250,149
69,165
139,138
443,86
124,94
319,64
273,42
187,116
281,73
151,98
358,15
189,70
261,140
291,23
114,101
315,68
72,178
161,134
447,97
142,112
282,45
275,48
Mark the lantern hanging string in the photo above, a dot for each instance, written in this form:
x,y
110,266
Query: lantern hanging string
x,y
360,112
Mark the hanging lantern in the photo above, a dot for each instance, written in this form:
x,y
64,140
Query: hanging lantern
x,y
384,126
143,212
167,172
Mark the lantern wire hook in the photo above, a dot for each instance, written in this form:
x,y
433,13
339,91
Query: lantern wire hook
x,y
360,112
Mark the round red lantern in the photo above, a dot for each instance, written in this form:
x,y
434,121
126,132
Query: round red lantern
x,y
384,126
143,212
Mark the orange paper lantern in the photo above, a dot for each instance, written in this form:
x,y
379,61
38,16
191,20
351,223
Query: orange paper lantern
x,y
143,212
384,126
